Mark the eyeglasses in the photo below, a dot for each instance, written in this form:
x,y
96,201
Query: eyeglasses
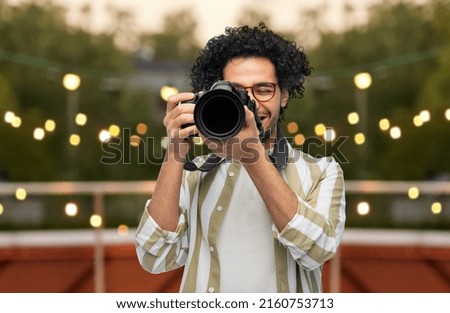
x,y
261,91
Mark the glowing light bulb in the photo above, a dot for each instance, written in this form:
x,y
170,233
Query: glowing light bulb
x,y
292,127
353,118
9,116
362,80
104,135
21,194
71,81
74,139
299,139
141,128
395,132
38,133
363,208
16,122
320,129
114,130
436,208
329,134
425,115
122,230
167,91
96,220
360,138
71,209
50,125
413,193
384,124
81,119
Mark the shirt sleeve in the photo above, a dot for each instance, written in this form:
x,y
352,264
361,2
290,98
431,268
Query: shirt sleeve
x,y
314,234
159,250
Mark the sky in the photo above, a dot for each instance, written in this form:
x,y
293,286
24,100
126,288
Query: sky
x,y
213,15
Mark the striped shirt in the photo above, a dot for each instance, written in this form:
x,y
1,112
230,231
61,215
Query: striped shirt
x,y
227,242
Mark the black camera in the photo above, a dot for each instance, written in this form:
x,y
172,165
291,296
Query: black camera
x,y
219,112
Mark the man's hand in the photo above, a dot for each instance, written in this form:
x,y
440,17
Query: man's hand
x,y
179,113
244,147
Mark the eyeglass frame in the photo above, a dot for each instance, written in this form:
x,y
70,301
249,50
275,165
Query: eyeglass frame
x,y
274,85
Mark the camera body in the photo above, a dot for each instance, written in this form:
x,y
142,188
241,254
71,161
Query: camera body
x,y
219,113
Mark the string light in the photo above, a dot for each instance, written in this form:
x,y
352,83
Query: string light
x,y
363,208
425,116
74,139
413,193
9,116
329,134
359,138
81,119
114,130
16,122
122,230
436,208
447,114
21,194
292,127
353,118
50,125
395,132
135,141
362,80
38,133
320,129
417,121
104,135
2,209
299,139
71,209
384,124
141,128
71,81
96,220
167,91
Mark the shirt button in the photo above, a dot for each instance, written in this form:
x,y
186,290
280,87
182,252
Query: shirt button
x,y
219,208
231,174
211,249
211,289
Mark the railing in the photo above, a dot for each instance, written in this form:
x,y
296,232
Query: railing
x,y
99,237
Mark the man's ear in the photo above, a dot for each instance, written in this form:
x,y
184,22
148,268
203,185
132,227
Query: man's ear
x,y
284,98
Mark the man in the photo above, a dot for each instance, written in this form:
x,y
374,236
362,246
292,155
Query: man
x,y
266,217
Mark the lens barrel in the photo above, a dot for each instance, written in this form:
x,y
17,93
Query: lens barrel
x,y
219,113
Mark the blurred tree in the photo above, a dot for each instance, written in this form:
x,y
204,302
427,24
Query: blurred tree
x,y
425,148
252,17
400,46
177,39
36,50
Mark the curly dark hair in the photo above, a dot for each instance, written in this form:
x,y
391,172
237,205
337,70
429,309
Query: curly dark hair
x,y
291,64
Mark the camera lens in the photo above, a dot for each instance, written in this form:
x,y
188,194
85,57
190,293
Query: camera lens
x,y
219,114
